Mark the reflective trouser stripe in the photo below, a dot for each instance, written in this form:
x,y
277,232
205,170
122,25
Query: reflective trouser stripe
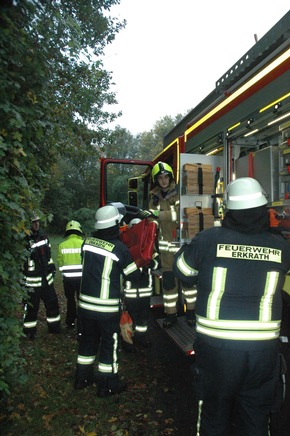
x,y
190,296
200,403
170,301
30,325
55,319
86,360
141,329
107,368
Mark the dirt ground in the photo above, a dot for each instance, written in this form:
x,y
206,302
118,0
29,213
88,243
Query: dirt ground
x,y
159,400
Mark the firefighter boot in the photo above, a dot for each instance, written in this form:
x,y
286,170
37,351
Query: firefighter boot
x,y
84,376
190,318
110,385
170,320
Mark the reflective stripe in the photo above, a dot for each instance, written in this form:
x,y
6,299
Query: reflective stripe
x,y
94,308
75,274
115,356
189,293
69,267
261,329
218,288
105,282
36,282
184,268
141,328
166,246
30,325
70,250
170,296
55,319
246,197
239,335
130,268
138,293
267,299
33,282
39,243
95,300
105,368
232,324
200,403
101,251
86,360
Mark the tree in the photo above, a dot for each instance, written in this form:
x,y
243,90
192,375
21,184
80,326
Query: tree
x,y
151,143
52,85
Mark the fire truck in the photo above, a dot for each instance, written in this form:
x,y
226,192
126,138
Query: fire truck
x,y
242,128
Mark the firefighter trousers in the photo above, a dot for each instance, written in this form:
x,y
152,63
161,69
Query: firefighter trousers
x,y
235,387
98,335
139,310
48,295
71,286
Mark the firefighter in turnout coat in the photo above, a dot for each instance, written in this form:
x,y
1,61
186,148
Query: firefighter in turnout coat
x,y
164,207
240,269
39,272
70,265
105,261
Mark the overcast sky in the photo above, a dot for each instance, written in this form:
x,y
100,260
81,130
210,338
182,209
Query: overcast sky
x,y
172,52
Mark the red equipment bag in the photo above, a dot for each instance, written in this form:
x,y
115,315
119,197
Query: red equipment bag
x,y
140,239
126,324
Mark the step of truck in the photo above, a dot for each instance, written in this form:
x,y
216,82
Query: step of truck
x,y
156,301
182,334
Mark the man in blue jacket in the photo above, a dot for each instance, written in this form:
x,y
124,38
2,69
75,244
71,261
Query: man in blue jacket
x,y
105,261
239,269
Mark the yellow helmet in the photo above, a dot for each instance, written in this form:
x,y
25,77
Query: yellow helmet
x,y
161,168
73,225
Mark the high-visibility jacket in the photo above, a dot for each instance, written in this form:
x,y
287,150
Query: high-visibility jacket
x,y
39,267
69,256
104,263
239,281
168,207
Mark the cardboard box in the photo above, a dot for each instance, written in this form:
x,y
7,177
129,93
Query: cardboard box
x,y
196,223
192,167
197,179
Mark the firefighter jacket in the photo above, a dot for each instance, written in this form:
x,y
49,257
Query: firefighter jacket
x,y
239,280
168,208
39,268
69,256
104,264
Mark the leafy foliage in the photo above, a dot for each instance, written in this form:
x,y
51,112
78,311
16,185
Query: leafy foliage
x,y
159,399
52,85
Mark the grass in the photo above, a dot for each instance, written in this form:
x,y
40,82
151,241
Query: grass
x,y
48,404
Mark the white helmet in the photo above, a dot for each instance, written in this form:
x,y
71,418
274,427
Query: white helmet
x,y
108,216
134,221
244,193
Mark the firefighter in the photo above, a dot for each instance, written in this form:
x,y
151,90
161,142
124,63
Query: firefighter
x,y
137,296
105,260
70,265
164,207
39,272
239,269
